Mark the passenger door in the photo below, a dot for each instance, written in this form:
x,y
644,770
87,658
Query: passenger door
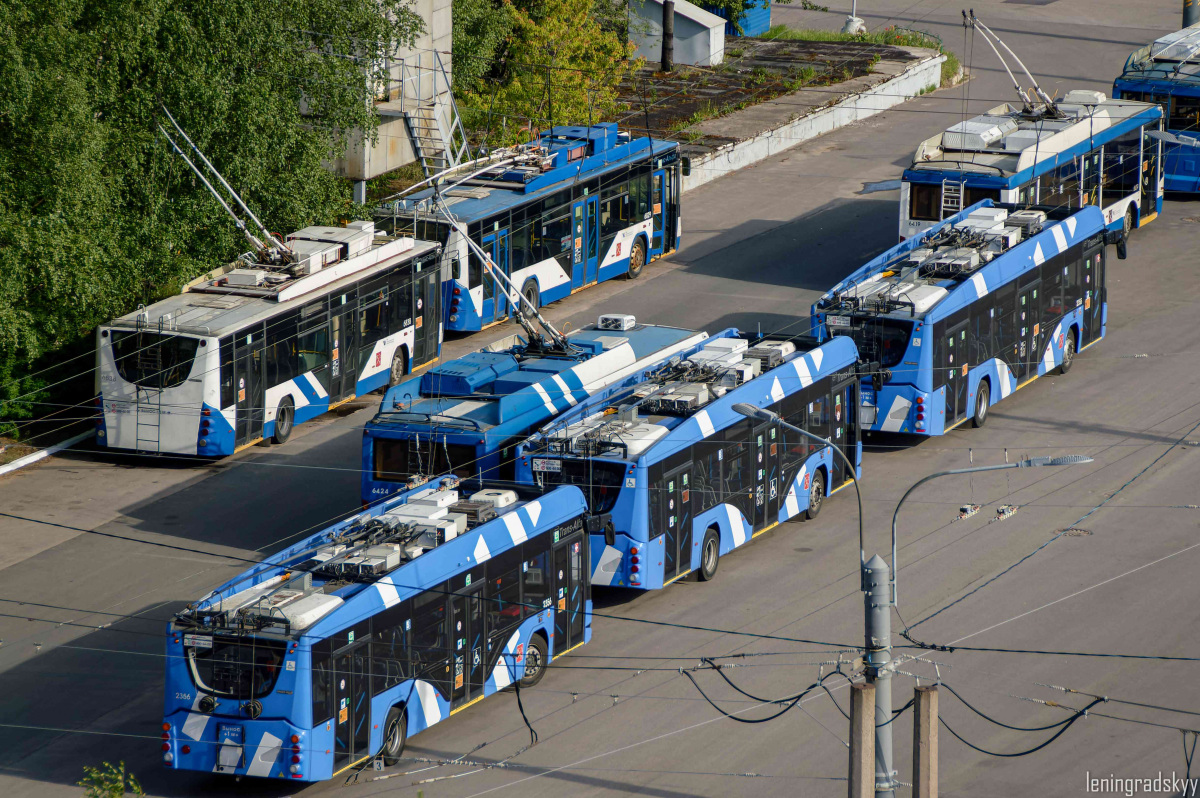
x,y
248,387
592,239
677,517
955,365
766,474
578,253
1092,282
571,593
469,634
426,316
657,193
845,428
1029,330
495,295
343,366
1152,178
352,704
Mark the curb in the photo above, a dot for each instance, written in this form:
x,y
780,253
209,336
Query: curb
x,y
30,459
854,107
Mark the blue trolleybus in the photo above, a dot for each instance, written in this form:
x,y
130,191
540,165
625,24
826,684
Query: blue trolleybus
x,y
1085,150
339,648
961,316
253,348
685,478
575,207
1167,72
462,417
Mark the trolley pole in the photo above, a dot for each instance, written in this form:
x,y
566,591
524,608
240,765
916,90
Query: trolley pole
x,y
877,605
1191,12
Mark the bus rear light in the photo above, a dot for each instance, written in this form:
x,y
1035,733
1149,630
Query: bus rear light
x,y
187,749
453,317
168,757
633,569
457,291
206,412
295,759
295,771
203,442
295,749
166,746
920,416
920,400
166,727
166,736
97,401
635,559
634,550
295,738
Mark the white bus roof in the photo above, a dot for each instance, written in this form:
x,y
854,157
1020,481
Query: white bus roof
x,y
1005,140
242,293
1182,45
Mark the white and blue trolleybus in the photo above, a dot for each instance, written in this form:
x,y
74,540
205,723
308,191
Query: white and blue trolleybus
x,y
254,347
341,647
1167,72
684,477
959,317
1086,149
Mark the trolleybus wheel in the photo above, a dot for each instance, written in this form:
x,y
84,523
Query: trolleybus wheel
x,y
637,259
530,292
396,736
710,555
983,398
1128,227
1068,354
535,661
399,368
816,495
285,415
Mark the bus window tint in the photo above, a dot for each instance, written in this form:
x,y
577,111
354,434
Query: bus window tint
x,y
1122,165
555,239
925,200
1185,113
397,460
389,648
534,584
600,482
973,195
322,683
238,669
429,650
313,349
504,592
153,360
885,340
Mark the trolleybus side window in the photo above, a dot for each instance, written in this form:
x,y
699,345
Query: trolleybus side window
x,y
504,593
322,683
227,394
534,584
1185,113
391,662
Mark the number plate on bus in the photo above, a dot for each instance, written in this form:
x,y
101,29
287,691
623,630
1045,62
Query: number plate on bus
x,y
197,641
547,464
837,321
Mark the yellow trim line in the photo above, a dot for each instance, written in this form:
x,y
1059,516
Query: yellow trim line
x,y
1148,218
352,764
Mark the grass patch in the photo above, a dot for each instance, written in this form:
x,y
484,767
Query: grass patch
x,y
895,36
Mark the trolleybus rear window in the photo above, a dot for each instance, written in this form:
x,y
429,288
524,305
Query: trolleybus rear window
x,y
600,482
398,459
153,360
884,340
237,668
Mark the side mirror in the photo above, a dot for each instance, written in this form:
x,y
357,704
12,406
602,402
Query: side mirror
x,y
1122,249
1117,238
686,164
610,534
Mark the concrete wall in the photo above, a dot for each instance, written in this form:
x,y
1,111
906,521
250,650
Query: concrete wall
x,y
393,148
699,35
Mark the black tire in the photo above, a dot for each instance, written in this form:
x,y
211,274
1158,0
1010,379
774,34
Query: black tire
x,y
399,368
395,732
1128,224
710,555
530,292
983,401
637,259
816,495
1068,353
285,420
535,661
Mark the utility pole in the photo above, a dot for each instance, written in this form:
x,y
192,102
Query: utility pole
x,y
1191,12
925,742
862,740
668,36
877,605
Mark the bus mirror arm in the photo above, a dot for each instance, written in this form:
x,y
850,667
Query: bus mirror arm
x,y
1117,238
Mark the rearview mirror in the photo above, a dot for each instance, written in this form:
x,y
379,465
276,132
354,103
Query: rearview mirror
x,y
686,164
1117,238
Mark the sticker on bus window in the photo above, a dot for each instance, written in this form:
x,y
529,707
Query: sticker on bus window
x,y
344,715
562,605
547,464
197,641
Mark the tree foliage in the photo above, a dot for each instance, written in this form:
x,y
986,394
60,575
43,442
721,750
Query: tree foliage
x,y
557,62
96,214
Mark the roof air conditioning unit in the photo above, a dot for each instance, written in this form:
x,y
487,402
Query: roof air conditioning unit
x,y
616,321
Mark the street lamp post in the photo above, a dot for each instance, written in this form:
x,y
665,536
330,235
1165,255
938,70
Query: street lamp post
x,y
878,583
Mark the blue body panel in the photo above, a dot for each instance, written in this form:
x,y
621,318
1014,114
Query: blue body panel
x,y
287,709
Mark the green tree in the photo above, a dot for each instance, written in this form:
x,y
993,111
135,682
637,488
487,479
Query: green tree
x,y
96,214
558,64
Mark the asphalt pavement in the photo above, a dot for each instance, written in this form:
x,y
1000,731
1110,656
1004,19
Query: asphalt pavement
x,y
82,683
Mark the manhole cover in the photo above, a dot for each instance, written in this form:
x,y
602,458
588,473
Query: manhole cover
x,y
1075,532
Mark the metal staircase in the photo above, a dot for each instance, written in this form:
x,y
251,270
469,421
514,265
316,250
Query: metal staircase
x,y
420,93
952,198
